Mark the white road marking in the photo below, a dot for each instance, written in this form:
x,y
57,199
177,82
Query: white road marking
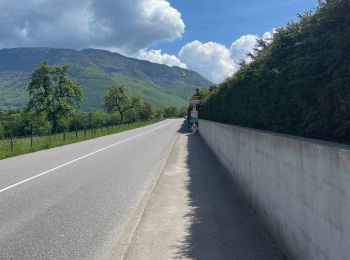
x,y
78,159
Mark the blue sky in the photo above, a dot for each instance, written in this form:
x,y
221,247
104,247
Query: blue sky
x,y
225,20
207,36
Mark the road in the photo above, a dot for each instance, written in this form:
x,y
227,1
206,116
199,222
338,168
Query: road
x,y
73,202
195,213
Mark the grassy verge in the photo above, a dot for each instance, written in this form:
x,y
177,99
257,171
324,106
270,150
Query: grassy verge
x,y
22,145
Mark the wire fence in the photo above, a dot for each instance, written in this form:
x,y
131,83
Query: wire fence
x,y
20,145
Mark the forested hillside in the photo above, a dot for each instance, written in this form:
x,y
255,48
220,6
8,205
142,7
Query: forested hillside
x,y
298,83
95,70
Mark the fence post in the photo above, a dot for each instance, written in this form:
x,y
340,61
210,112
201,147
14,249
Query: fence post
x,y
64,135
11,140
31,139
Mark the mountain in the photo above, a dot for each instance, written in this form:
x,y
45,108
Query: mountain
x,y
95,70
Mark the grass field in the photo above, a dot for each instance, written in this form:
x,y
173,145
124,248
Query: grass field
x,y
22,145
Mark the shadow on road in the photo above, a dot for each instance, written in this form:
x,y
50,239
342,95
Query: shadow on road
x,y
222,226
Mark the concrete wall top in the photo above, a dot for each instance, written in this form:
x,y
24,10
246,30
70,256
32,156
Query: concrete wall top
x,y
300,187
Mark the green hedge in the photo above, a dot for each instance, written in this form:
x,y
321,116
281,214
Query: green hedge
x,y
299,83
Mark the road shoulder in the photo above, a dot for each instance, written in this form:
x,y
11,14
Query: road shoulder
x,y
128,233
193,213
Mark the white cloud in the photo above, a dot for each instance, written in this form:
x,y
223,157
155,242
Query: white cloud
x,y
212,60
107,24
267,36
156,56
125,26
216,61
242,46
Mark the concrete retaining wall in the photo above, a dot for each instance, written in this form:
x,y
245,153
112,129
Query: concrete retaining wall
x,y
299,187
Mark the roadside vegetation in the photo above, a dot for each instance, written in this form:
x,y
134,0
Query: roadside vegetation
x,y
21,145
297,83
52,117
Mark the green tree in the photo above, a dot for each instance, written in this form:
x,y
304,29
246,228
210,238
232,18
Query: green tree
x,y
76,120
67,96
114,118
2,114
2,131
52,92
63,122
146,111
159,113
171,111
182,112
41,91
98,119
36,123
13,124
117,99
85,121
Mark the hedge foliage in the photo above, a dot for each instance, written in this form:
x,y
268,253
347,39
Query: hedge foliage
x,y
297,83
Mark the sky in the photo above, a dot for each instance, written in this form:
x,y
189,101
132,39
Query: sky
x,y
210,37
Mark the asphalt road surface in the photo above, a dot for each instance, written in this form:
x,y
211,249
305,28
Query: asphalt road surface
x,y
73,202
196,213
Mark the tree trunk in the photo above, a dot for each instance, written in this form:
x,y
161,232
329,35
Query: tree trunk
x,y
122,117
11,141
54,124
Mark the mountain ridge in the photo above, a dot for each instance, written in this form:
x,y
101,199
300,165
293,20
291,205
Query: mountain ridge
x,y
95,70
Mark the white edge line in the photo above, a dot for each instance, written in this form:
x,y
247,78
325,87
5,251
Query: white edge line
x,y
78,159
